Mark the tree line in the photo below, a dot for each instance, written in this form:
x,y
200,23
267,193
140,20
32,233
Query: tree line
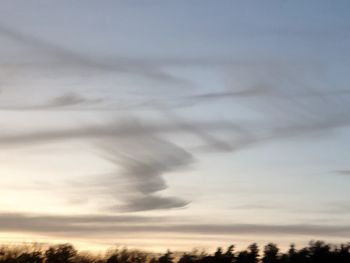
x,y
315,252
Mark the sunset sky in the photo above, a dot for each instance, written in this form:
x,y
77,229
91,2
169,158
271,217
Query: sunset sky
x,y
174,124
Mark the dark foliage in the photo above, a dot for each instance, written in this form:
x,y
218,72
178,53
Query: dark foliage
x,y
315,252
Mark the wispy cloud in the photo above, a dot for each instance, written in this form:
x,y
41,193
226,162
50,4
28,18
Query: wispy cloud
x,y
70,99
97,225
343,172
65,57
286,104
151,202
143,161
66,101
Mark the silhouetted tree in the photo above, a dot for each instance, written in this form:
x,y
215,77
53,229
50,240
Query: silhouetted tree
x,y
166,258
292,253
187,258
230,251
112,256
243,257
112,259
218,253
136,256
33,257
320,252
302,256
124,256
270,253
253,251
219,257
85,259
249,256
315,252
343,254
63,253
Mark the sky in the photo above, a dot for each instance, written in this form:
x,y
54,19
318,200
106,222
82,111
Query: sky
x,y
180,124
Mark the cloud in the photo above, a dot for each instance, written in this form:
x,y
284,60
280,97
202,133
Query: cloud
x,y
343,172
229,94
80,223
333,208
142,162
152,202
140,154
66,101
67,58
117,129
143,157
70,99
256,207
262,92
102,225
285,106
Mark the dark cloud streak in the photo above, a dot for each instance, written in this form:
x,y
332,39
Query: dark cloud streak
x,y
64,102
143,160
95,225
80,61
